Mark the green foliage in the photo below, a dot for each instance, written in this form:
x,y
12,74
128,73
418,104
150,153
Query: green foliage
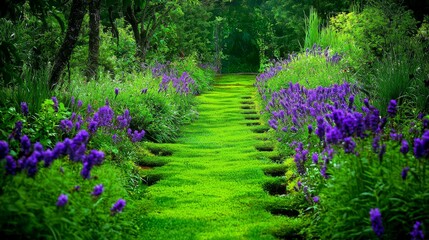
x,y
39,127
28,205
43,127
359,184
117,58
310,71
188,33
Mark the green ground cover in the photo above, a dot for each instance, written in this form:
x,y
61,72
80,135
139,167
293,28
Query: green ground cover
x,y
211,186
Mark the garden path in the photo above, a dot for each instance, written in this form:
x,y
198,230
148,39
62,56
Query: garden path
x,y
212,184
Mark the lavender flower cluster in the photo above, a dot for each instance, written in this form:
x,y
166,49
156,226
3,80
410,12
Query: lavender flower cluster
x,y
102,119
30,155
183,84
159,69
331,115
317,50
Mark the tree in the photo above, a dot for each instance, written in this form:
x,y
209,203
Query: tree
x,y
94,38
77,13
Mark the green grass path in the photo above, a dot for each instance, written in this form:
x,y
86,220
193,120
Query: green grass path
x,y
212,184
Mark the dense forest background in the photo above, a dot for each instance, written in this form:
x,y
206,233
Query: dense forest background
x,y
235,36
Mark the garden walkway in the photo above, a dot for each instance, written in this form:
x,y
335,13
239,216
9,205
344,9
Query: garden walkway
x,y
212,184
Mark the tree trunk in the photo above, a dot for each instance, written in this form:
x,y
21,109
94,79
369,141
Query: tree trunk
x,y
77,13
94,38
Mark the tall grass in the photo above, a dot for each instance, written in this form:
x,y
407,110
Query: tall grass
x,y
32,88
390,80
313,26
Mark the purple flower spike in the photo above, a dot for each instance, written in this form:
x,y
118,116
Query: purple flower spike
x,y
391,109
24,108
351,101
4,149
79,103
315,158
10,165
89,109
86,170
418,148
98,190
118,206
143,91
25,144
62,200
316,199
417,233
116,92
310,129
55,100
404,147
405,172
376,222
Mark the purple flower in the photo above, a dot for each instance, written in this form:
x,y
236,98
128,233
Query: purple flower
x,y
17,131
376,222
404,147
143,91
136,136
62,200
349,145
72,101
54,99
59,150
299,184
323,172
79,103
118,206
93,126
316,199
94,157
98,190
31,165
273,124
88,108
10,165
66,125
351,101
76,188
418,148
48,157
25,144
116,92
4,149
405,172
376,143
391,109
310,129
105,116
315,158
81,137
24,108
366,102
124,120
86,170
417,233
